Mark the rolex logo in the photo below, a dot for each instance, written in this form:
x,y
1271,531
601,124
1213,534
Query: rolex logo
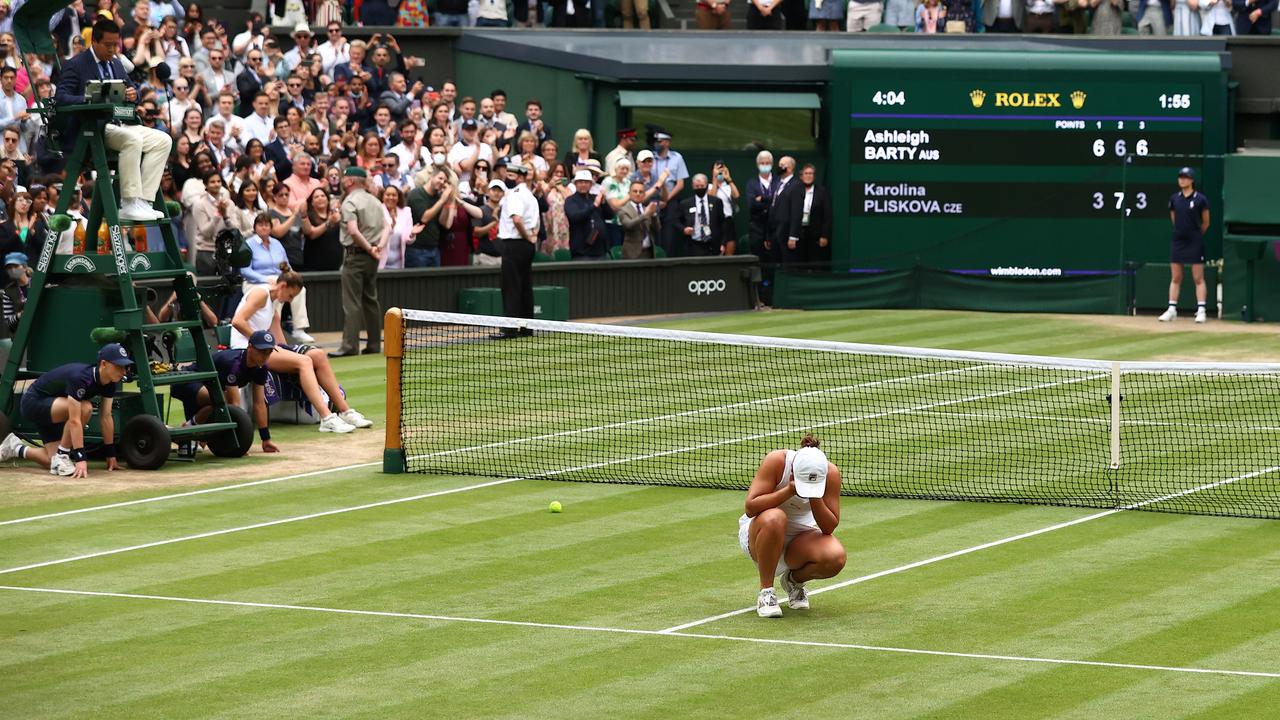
x,y
977,97
1077,99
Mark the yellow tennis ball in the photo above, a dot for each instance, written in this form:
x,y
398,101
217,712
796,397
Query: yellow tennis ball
x,y
555,506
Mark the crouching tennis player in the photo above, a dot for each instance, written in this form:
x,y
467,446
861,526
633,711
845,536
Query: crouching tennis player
x,y
793,506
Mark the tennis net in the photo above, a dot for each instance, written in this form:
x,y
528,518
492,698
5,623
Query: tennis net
x,y
603,403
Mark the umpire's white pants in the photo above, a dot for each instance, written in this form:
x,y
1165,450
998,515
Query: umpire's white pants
x,y
143,154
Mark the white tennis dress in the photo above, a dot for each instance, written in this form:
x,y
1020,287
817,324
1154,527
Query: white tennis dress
x,y
799,519
260,320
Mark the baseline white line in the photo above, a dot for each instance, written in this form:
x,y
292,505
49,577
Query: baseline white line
x,y
985,546
562,471
269,523
649,633
486,446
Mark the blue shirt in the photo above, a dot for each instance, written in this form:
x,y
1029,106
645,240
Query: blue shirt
x,y
74,380
266,260
1187,210
674,162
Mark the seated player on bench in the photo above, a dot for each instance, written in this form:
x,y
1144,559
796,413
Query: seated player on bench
x,y
59,405
236,369
259,309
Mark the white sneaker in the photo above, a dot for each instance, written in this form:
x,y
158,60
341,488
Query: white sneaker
x,y
767,604
9,448
797,598
335,424
137,210
302,338
61,465
1169,315
1201,316
353,418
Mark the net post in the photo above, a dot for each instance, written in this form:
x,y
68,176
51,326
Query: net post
x,y
393,460
1115,416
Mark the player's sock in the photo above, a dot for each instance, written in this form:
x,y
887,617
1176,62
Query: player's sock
x,y
64,450
22,452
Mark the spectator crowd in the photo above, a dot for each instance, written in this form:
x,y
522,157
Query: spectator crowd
x,y
269,131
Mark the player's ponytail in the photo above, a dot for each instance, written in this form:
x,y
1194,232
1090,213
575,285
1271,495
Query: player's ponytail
x,y
288,277
810,440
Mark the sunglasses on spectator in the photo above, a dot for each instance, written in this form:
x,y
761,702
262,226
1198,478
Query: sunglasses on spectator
x,y
295,83
333,30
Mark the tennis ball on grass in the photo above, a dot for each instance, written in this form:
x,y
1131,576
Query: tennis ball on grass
x,y
555,506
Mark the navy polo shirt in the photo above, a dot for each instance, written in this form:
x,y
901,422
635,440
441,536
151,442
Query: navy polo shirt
x,y
233,369
74,380
1187,210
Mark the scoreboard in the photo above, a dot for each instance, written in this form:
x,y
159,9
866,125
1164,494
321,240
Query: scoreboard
x,y
1035,163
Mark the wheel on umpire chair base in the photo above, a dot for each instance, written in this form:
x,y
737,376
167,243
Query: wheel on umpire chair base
x,y
233,443
145,443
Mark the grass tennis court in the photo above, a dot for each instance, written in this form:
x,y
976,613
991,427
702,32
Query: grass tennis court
x,y
358,594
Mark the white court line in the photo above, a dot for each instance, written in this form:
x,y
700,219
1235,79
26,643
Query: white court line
x,y
649,633
205,491
562,471
486,446
1104,421
984,546
269,523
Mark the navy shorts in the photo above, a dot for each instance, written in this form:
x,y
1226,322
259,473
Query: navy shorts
x,y
188,393
38,410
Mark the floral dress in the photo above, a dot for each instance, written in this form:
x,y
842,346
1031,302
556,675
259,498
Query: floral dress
x,y
557,223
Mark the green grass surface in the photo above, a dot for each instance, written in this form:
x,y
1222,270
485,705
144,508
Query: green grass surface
x,y
1128,588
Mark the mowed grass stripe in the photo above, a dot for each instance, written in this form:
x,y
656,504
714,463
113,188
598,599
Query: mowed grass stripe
x,y
1008,697
74,535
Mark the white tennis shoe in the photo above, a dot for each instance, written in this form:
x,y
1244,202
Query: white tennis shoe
x,y
335,424
797,598
61,465
1201,316
9,448
353,418
767,604
1169,315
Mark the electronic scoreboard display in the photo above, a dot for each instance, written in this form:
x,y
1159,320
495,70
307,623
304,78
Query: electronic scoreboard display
x,y
1019,162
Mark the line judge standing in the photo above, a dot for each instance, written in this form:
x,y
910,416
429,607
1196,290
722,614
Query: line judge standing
x,y
143,150
518,233
1189,213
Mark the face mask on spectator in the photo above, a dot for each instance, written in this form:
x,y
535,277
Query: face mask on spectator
x,y
764,169
700,192
438,159
511,183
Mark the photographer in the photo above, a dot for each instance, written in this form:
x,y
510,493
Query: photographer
x,y
383,63
723,187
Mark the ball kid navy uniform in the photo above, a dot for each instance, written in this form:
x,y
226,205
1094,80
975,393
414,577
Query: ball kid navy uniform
x,y
1188,241
79,381
233,371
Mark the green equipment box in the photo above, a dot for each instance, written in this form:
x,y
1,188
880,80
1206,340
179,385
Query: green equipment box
x,y
550,302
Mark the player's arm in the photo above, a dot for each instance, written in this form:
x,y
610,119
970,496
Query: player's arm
x,y
761,495
108,425
826,509
260,418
